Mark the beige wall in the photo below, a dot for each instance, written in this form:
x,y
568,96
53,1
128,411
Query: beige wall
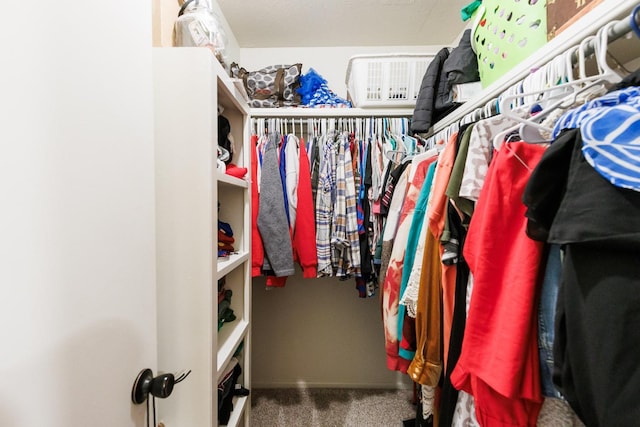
x,y
164,15
318,333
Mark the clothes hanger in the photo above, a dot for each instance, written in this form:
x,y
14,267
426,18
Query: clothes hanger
x,y
499,138
417,157
410,144
524,95
634,22
398,152
512,105
431,152
468,118
508,147
530,130
602,54
395,156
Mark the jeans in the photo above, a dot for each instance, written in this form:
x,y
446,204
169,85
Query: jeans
x,y
546,315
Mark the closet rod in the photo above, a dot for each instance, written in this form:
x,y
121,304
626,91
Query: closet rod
x,y
600,16
318,113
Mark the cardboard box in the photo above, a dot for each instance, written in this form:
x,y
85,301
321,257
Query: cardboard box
x,y
561,14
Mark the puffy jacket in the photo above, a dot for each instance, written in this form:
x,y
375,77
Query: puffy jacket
x,y
435,99
462,65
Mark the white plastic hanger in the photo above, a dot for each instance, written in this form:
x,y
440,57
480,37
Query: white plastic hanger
x,y
418,158
530,130
566,93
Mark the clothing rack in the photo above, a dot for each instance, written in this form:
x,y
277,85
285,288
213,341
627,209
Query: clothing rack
x,y
318,125
486,104
301,112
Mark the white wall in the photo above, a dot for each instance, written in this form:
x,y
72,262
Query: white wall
x,y
232,50
330,62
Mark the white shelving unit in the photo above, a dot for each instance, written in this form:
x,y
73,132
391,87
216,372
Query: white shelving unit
x,y
191,195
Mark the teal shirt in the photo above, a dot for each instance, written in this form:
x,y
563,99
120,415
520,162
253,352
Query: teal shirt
x,y
410,253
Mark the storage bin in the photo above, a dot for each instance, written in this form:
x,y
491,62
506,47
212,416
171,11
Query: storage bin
x,y
505,33
391,80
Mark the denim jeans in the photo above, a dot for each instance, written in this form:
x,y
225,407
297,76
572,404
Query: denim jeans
x,y
546,316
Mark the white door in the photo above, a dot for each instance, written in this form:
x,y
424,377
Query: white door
x,y
77,250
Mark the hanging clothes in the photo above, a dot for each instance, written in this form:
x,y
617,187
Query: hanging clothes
x,y
397,187
344,215
596,364
300,205
344,237
437,217
366,284
449,395
393,314
406,324
391,224
304,234
275,232
499,361
257,249
325,206
479,154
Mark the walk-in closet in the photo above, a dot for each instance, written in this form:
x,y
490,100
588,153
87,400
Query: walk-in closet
x,y
273,213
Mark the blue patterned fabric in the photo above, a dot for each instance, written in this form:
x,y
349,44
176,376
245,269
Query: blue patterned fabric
x,y
610,127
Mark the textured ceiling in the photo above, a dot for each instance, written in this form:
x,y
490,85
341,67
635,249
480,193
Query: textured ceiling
x,y
315,23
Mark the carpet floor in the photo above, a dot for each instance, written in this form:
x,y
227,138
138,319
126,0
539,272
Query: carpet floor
x,y
330,407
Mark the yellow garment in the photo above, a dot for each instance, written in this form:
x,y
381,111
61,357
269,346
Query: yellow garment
x,y
426,366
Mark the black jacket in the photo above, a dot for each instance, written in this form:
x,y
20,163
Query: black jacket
x,y
435,99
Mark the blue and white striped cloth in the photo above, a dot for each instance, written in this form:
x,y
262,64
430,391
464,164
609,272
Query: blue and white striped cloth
x,y
610,128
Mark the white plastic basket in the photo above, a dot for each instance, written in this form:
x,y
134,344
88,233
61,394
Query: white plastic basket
x,y
391,80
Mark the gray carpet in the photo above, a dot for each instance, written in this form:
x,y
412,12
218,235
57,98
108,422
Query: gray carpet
x,y
330,407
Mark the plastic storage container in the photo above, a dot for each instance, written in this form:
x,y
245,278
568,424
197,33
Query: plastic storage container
x,y
505,33
386,80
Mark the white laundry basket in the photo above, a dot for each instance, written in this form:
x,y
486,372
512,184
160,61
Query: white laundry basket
x,y
391,80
